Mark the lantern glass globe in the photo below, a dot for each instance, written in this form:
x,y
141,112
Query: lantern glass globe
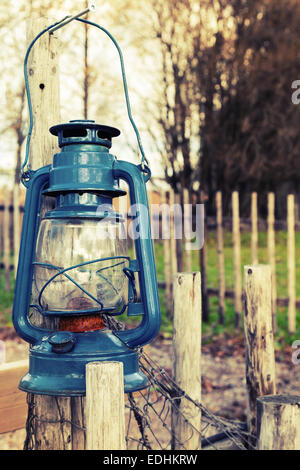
x,y
79,265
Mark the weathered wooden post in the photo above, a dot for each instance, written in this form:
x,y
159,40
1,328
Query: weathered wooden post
x,y
165,224
220,249
172,232
16,226
52,429
272,254
105,406
291,263
187,360
254,231
187,230
236,238
178,214
278,419
6,241
203,263
259,344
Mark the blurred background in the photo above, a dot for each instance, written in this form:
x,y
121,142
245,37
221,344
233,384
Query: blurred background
x,y
210,83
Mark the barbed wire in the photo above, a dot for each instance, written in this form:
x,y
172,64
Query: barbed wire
x,y
153,413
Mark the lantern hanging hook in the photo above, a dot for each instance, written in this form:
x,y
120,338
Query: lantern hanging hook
x,y
68,19
59,24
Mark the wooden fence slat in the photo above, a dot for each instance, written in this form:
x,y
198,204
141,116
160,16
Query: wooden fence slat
x,y
16,226
278,418
220,249
254,230
178,238
172,232
13,406
237,258
291,262
167,254
187,230
187,363
203,263
259,343
6,254
272,254
105,406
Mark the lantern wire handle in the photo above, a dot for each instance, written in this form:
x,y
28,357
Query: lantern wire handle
x,y
59,24
125,86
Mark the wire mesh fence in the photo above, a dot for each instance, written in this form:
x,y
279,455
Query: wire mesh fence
x,y
152,416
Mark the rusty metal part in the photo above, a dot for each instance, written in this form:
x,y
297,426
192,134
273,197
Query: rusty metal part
x,y
79,324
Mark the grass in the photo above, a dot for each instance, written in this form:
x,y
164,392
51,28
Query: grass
x,y
213,327
6,300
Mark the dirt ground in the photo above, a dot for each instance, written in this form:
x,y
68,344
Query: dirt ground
x,y
223,375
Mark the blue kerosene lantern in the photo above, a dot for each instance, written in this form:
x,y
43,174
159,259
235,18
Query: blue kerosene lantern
x,y
74,265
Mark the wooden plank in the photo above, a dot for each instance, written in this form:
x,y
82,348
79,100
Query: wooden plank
x,y
254,230
259,341
272,254
221,266
236,239
178,214
187,360
167,254
174,266
105,406
291,263
278,419
203,264
16,226
13,406
187,214
6,254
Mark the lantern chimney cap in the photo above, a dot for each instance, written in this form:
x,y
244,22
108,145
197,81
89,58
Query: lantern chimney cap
x,y
84,131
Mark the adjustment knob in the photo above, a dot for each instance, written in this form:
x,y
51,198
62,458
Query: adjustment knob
x,y
62,341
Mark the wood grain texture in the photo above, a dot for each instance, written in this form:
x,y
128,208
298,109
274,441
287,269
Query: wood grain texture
x,y
187,359
187,231
167,252
6,240
278,420
236,239
174,265
259,342
16,225
221,266
272,254
291,263
43,76
254,229
105,406
13,407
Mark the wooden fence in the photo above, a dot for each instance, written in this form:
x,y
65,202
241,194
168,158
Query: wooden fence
x,y
177,258
104,381
252,224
